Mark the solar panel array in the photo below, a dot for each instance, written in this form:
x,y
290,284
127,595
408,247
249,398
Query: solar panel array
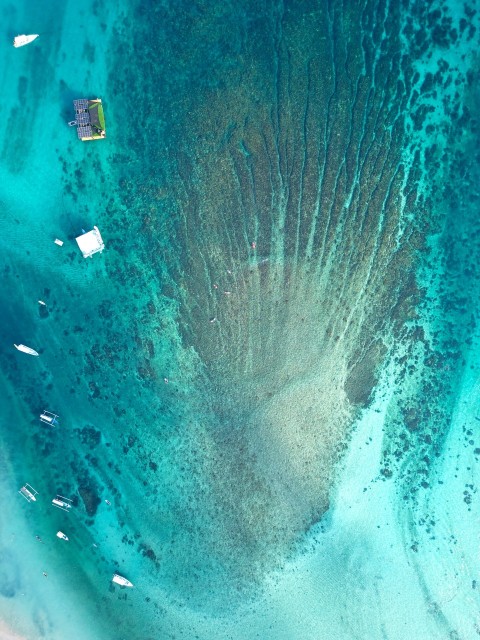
x,y
80,105
83,118
84,131
82,115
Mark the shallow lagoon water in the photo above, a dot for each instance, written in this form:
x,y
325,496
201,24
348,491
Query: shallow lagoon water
x,y
271,371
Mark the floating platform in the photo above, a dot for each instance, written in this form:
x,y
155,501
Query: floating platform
x,y
89,119
90,242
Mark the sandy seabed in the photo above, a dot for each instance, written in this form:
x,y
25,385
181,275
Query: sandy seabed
x,y
8,634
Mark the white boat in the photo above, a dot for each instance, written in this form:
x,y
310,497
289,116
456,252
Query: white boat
x,y
121,580
21,41
49,418
62,503
22,347
61,535
29,493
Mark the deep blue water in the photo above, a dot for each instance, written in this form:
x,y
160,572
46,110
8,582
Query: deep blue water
x,y
271,372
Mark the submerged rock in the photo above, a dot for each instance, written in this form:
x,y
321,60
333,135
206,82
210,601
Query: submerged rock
x,y
90,499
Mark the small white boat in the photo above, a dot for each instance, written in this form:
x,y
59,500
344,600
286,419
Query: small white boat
x,y
121,580
61,535
29,493
49,418
22,347
21,41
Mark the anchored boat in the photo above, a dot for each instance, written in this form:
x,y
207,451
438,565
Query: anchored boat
x,y
49,418
62,503
21,41
61,535
22,347
123,582
28,492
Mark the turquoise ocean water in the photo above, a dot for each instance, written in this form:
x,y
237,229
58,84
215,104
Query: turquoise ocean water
x,y
272,371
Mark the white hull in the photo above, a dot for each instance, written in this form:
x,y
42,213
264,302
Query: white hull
x,y
61,504
28,494
22,347
61,535
21,41
49,418
121,580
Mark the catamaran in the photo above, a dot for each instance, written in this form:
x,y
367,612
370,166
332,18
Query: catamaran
x,y
22,347
21,41
121,580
